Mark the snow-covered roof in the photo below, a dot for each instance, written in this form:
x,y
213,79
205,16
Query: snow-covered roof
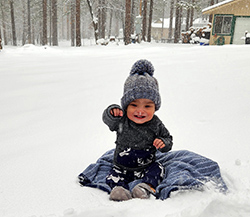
x,y
196,23
166,21
216,5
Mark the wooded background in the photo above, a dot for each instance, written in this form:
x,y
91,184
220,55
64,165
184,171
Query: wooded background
x,y
46,22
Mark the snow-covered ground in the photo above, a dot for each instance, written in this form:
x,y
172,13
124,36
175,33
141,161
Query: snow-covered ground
x,y
51,103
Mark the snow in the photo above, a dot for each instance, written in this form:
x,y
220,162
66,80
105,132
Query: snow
x,y
52,99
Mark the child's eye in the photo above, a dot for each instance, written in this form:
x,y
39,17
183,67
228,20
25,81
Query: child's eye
x,y
132,104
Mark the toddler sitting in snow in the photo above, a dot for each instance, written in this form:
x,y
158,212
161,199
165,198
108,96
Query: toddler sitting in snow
x,y
140,133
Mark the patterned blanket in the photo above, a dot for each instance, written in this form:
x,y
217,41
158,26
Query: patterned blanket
x,y
184,170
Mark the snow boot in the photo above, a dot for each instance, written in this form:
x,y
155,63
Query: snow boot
x,y
119,193
142,191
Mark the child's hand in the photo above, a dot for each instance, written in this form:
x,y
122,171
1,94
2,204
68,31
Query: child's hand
x,y
116,112
158,143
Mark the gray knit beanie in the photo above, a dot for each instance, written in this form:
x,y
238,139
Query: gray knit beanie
x,y
141,84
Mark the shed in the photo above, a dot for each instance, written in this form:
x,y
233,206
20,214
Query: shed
x,y
160,29
230,21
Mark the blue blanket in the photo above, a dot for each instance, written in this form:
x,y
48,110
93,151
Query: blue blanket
x,y
184,170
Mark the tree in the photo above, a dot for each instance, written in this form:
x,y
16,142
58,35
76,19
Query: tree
x,y
144,20
72,30
44,35
29,22
127,22
102,18
24,24
3,23
177,21
54,23
170,33
133,17
94,20
188,16
0,39
150,20
68,22
110,21
13,23
78,23
192,13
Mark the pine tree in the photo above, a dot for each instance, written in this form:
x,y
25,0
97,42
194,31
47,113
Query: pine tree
x,y
144,20
78,23
3,23
13,23
127,22
44,35
54,23
72,30
170,33
29,22
94,20
150,19
177,20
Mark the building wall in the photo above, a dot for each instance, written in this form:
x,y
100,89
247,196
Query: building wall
x,y
240,8
157,33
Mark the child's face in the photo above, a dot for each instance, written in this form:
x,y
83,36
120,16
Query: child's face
x,y
141,111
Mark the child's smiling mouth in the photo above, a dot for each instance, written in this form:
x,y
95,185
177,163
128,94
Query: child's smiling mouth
x,y
139,116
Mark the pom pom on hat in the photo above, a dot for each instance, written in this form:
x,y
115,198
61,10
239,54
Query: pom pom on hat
x,y
141,85
141,67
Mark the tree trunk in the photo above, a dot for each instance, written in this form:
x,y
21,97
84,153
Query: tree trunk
x,y
68,22
44,35
187,19
78,23
73,23
177,15
0,40
29,22
99,18
123,17
3,23
132,25
33,33
144,20
102,18
24,23
180,19
110,22
163,19
127,22
94,21
150,19
50,22
13,23
103,27
192,13
54,23
170,33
